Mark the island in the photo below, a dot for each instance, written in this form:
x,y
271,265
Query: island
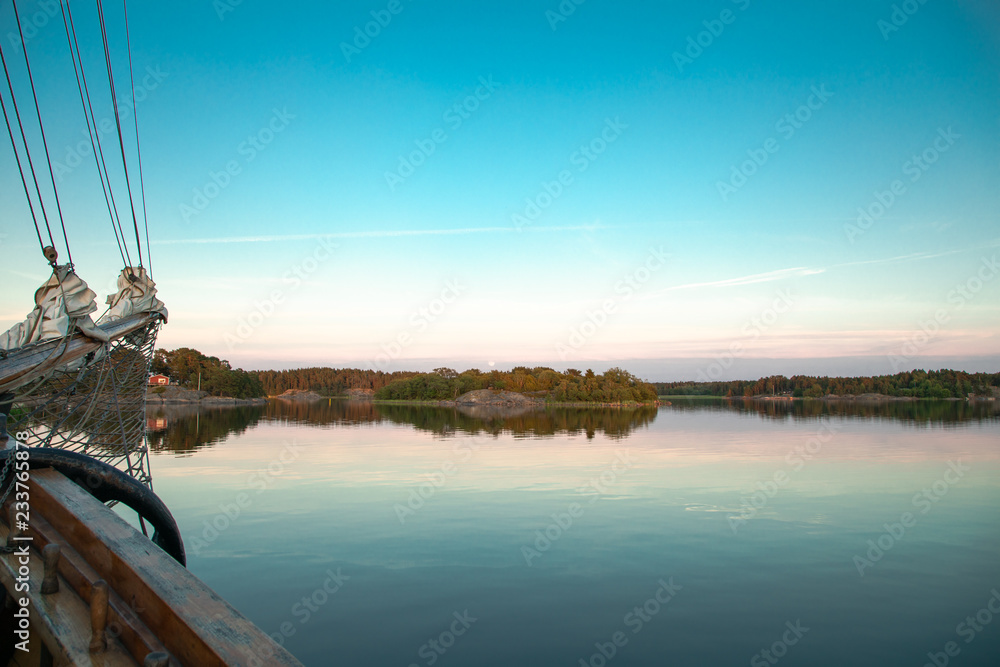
x,y
195,377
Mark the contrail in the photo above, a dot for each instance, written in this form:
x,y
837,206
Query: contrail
x,y
388,233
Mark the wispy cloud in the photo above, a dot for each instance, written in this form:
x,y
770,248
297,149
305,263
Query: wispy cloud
x,y
800,271
35,278
767,277
386,233
917,256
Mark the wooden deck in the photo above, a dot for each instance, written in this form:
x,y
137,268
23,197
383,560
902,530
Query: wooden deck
x,y
154,605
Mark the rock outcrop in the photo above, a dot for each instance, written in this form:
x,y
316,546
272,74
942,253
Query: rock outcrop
x,y
299,395
176,394
507,399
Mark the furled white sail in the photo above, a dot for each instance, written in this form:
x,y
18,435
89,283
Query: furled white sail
x,y
62,307
136,294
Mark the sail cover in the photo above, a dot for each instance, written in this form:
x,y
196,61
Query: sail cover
x,y
62,307
136,294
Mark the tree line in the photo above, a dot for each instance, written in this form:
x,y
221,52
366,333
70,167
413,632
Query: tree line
x,y
327,381
614,386
912,384
190,368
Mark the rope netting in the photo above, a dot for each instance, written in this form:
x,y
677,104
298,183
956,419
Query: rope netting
x,y
97,407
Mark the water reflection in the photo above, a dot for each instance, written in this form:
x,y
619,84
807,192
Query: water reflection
x,y
472,506
616,423
185,428
937,412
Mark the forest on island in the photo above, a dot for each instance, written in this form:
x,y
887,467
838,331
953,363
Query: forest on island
x,y
219,378
911,384
327,381
190,368
614,386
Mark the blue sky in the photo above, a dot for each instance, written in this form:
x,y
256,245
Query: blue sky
x,y
697,168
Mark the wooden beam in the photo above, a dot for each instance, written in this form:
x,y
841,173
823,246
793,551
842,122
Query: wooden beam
x,y
42,357
75,571
193,622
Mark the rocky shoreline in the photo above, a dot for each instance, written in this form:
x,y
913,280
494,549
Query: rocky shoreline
x,y
179,395
298,396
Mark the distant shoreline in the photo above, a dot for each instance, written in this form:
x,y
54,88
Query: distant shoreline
x,y
873,398
175,395
540,405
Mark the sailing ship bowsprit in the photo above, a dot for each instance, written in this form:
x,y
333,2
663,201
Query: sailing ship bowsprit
x,y
79,585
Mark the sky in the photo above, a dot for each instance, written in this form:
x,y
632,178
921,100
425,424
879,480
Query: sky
x,y
713,190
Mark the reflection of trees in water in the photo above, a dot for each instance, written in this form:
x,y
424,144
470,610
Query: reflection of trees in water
x,y
940,412
190,427
614,422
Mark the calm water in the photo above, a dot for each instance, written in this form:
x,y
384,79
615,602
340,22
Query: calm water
x,y
695,534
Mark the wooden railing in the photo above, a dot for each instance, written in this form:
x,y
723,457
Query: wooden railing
x,y
113,597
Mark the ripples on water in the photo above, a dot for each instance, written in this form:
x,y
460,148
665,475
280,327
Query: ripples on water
x,y
564,532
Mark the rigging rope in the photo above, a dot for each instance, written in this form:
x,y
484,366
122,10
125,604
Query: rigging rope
x,y
95,139
118,123
41,128
138,146
27,151
24,181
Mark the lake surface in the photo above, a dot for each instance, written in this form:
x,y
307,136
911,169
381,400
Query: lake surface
x,y
700,533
